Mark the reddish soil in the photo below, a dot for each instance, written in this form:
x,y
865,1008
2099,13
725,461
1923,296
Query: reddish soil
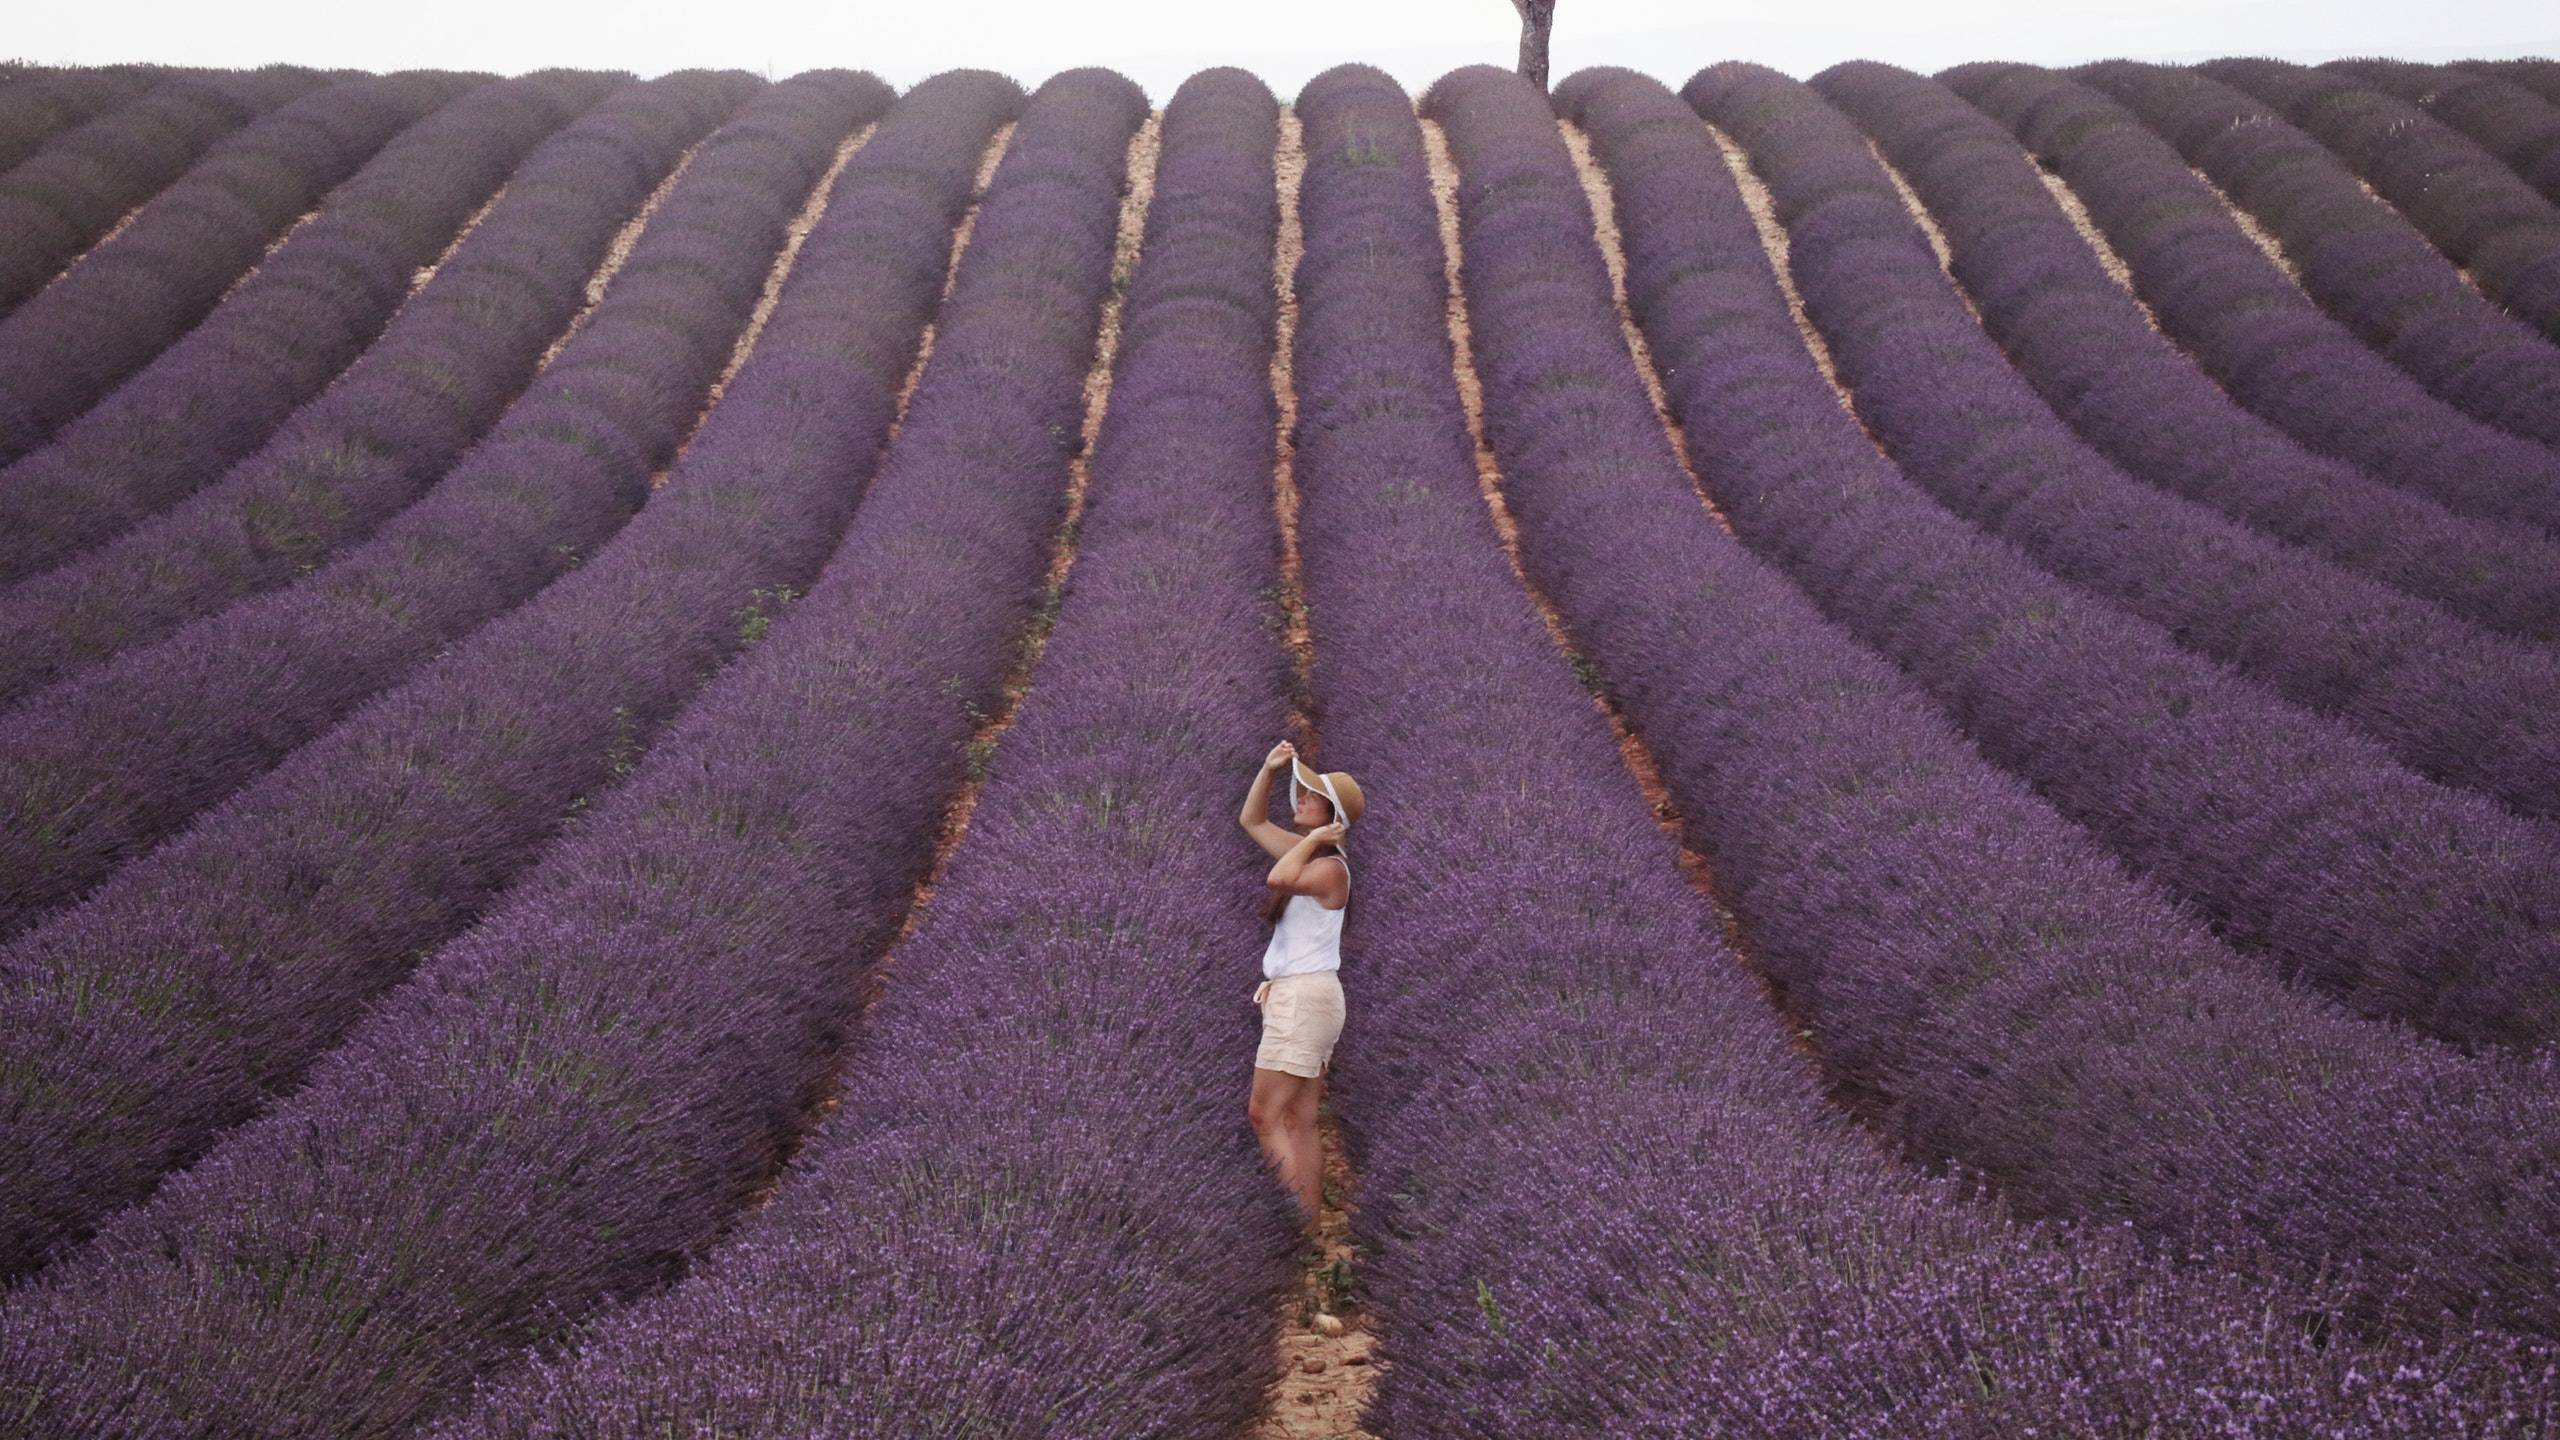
x,y
1928,224
1773,239
1097,389
959,242
794,236
614,254
2108,259
1325,1370
1143,149
1694,866
427,272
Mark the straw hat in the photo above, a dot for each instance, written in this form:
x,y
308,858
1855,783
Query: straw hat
x,y
1336,786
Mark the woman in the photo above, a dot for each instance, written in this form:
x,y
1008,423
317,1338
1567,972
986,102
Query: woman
x,y
1301,990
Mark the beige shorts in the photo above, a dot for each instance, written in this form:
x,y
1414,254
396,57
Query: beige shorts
x,y
1301,1018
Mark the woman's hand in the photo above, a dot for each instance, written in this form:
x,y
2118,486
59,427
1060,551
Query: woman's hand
x,y
1281,754
1327,834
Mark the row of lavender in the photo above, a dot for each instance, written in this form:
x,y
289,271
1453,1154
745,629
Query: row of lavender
x,y
454,357
585,1089
64,196
1990,985
2091,352
2267,343
109,762
39,102
2452,701
2363,262
283,332
2440,186
1603,1196
203,978
1038,1211
2300,837
73,342
2501,116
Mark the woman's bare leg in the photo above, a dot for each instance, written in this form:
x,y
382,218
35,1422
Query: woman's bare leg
x,y
1306,1147
1283,1111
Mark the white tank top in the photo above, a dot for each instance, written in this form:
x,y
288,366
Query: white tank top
x,y
1308,937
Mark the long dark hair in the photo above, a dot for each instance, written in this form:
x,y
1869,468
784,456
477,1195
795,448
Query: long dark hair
x,y
1278,900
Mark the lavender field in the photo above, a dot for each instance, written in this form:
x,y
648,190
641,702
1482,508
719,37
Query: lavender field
x,y
620,703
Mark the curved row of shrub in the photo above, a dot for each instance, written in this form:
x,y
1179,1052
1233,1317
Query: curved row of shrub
x,y
1043,1119
2542,77
202,979
2504,118
2440,184
1971,965
66,195
105,764
2085,345
2456,703
462,348
573,1098
218,392
2255,331
38,104
73,342
2361,262
2300,838
1600,1195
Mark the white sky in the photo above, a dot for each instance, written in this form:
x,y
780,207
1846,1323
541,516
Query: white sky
x,y
1158,42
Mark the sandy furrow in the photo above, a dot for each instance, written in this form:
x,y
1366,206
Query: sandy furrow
x,y
982,741
1143,148
2108,259
1604,227
245,276
950,273
1325,1370
615,253
1694,866
830,1091
793,236
427,272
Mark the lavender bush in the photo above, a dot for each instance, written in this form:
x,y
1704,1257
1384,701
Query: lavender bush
x,y
216,394
108,1083
452,359
2299,838
569,1100
115,758
40,103
2249,326
2463,706
2362,263
1039,1210
2088,349
2508,120
1599,1195
1977,975
2542,77
2440,184
69,345
61,199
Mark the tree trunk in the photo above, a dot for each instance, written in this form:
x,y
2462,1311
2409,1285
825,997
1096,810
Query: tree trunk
x,y
1536,18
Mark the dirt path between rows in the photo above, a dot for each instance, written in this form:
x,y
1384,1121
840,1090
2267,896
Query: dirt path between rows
x,y
427,272
833,1085
1017,683
794,235
1143,150
615,252
1325,1372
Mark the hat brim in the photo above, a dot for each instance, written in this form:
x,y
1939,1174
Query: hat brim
x,y
1303,779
